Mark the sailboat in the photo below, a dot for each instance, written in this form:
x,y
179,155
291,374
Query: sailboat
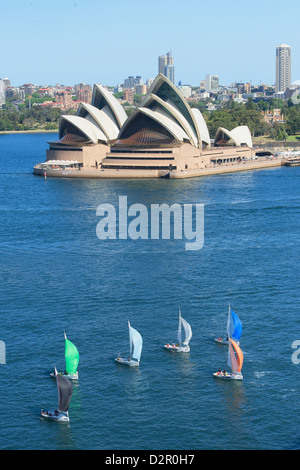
x,y
233,328
72,360
64,390
181,346
135,346
235,362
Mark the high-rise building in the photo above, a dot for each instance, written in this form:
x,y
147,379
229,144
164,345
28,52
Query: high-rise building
x,y
211,83
6,82
166,66
131,81
283,68
162,62
2,92
170,73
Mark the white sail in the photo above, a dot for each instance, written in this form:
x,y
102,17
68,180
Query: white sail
x,y
187,330
136,344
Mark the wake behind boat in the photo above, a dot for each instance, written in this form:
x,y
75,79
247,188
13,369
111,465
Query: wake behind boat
x,y
235,362
233,328
65,390
181,346
71,359
135,349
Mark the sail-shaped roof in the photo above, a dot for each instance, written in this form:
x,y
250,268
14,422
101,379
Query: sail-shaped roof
x,y
75,124
204,133
155,103
164,116
99,118
156,120
239,135
105,100
167,91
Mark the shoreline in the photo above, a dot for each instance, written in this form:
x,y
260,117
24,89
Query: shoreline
x,y
39,131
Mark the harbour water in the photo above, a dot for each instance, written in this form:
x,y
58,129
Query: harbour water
x,y
57,276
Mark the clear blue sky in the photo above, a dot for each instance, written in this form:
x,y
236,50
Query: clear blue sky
x,y
97,41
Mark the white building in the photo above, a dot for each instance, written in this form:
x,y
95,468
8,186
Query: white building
x,y
2,92
211,83
185,90
283,68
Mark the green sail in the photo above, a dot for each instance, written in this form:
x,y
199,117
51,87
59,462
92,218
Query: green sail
x,y
71,357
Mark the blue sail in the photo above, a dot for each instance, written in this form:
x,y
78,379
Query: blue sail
x,y
236,326
137,343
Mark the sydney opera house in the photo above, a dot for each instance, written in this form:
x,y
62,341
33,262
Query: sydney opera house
x,y
162,137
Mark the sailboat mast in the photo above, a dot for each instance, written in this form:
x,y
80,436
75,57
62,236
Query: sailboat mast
x,y
130,342
179,328
228,323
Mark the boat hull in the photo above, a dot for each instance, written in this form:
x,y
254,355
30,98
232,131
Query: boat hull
x,y
221,341
127,362
224,341
228,376
295,162
68,376
178,349
59,417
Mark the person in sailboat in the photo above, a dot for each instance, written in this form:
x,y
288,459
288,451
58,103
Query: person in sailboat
x,y
234,360
233,328
71,359
65,390
181,345
135,348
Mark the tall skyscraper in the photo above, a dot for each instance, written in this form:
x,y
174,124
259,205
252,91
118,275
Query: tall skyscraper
x,y
166,66
211,83
2,92
162,62
283,68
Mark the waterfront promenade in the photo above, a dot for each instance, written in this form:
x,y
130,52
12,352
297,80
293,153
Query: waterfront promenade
x,y
258,164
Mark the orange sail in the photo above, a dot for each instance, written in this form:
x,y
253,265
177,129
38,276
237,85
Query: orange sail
x,y
239,354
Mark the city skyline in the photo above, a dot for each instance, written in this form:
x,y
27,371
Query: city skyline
x,y
49,45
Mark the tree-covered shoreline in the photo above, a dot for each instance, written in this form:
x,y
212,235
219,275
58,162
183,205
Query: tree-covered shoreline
x,y
251,114
32,116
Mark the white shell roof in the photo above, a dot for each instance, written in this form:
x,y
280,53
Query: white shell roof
x,y
114,105
161,80
173,110
105,123
240,135
204,133
105,119
169,124
92,132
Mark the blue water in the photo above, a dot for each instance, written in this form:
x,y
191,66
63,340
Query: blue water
x,y
57,275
